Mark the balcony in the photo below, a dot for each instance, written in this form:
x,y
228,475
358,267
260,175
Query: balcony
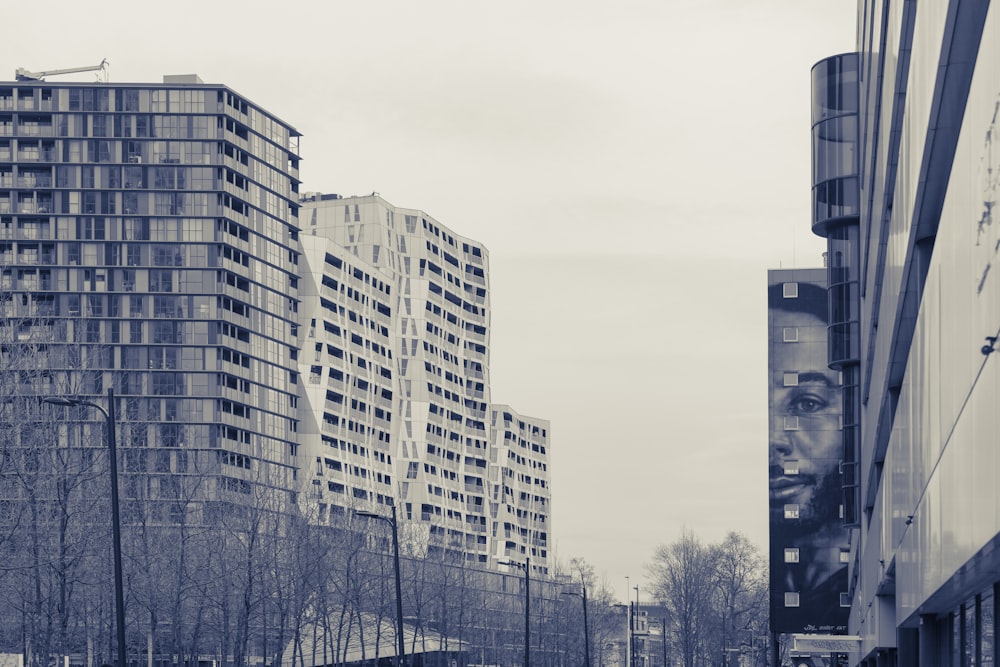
x,y
34,180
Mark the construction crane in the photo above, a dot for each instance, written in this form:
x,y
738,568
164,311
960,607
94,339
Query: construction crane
x,y
24,75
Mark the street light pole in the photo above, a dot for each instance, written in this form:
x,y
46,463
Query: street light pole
x,y
629,658
526,566
400,643
637,658
116,531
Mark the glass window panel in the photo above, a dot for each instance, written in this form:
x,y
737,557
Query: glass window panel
x,y
986,640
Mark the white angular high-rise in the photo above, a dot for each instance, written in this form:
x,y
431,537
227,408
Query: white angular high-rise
x,y
445,471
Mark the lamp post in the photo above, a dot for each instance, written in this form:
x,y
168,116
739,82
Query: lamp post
x,y
401,645
526,566
586,625
116,531
630,626
636,658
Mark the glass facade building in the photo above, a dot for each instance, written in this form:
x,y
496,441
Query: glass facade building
x,y
149,245
923,560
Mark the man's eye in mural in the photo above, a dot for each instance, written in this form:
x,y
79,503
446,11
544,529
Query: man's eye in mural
x,y
806,404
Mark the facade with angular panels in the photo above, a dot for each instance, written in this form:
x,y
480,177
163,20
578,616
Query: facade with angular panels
x,y
518,483
347,375
446,459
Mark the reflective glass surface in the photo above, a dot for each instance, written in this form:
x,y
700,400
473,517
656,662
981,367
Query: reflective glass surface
x,y
941,489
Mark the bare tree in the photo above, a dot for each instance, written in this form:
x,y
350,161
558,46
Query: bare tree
x,y
741,593
683,575
53,528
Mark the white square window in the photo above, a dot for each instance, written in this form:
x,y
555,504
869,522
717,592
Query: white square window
x,y
791,599
790,291
791,423
791,379
791,467
790,334
792,555
845,556
791,511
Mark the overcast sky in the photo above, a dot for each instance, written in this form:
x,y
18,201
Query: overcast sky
x,y
633,167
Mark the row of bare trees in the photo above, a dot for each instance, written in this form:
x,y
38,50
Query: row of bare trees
x,y
240,579
245,583
716,601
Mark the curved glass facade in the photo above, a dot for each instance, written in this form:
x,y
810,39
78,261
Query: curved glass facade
x,y
835,140
836,210
843,270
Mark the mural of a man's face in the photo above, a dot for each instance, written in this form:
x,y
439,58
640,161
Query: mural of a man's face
x,y
805,440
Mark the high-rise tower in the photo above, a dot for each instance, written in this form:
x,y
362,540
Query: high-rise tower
x,y
148,242
446,472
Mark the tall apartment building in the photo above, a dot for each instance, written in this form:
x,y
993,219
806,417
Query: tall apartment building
x,y
469,478
148,235
808,542
348,380
905,181
518,488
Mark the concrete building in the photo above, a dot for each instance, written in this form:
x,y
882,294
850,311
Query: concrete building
x,y
347,377
470,478
808,542
149,246
905,182
518,488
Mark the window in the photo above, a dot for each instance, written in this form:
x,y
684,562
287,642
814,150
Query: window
x,y
791,511
791,467
845,600
790,291
792,555
93,331
791,379
135,308
161,280
791,599
791,423
790,334
845,556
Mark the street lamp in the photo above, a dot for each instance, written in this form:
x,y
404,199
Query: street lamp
x,y
637,660
586,626
526,566
116,531
630,649
401,645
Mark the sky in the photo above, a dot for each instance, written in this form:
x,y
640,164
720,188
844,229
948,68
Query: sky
x,y
633,167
